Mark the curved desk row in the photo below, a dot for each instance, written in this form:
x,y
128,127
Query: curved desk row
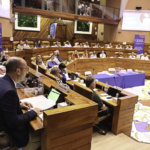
x,y
123,110
65,127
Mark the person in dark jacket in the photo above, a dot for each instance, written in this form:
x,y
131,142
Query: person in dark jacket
x,y
62,68
91,83
12,120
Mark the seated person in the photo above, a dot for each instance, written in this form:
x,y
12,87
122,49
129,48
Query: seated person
x,y
76,44
2,70
93,55
26,45
54,44
85,55
67,44
56,72
119,54
58,44
130,47
37,44
86,45
51,62
3,56
118,46
75,55
81,45
102,54
109,45
63,72
20,45
145,56
132,55
57,54
39,61
102,108
96,45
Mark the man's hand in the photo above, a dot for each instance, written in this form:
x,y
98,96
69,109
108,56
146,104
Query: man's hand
x,y
26,105
104,107
37,110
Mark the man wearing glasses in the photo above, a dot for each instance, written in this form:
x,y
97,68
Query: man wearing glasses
x,y
12,121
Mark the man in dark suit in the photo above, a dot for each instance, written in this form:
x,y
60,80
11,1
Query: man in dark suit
x,y
12,120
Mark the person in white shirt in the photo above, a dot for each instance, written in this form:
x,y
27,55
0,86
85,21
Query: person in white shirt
x,y
76,44
109,45
145,56
67,44
20,45
93,55
132,55
103,55
118,46
26,45
2,70
86,45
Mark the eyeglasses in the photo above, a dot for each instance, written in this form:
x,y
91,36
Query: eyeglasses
x,y
25,68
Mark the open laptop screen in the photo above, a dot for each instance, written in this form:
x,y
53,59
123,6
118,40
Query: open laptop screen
x,y
54,95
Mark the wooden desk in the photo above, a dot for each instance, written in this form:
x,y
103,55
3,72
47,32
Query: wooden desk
x,y
122,111
28,53
69,126
103,64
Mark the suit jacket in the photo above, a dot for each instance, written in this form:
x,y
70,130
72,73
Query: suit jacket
x,y
12,120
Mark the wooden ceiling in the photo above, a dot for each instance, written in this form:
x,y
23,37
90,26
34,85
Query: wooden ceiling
x,y
68,16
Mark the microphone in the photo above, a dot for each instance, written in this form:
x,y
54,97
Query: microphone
x,y
115,81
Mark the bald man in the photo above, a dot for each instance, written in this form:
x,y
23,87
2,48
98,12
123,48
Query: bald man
x,y
12,121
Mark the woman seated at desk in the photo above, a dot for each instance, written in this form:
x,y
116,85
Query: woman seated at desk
x,y
39,61
132,55
75,55
93,55
56,72
145,56
86,45
20,45
51,62
26,45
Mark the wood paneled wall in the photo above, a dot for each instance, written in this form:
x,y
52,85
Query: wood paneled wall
x,y
65,30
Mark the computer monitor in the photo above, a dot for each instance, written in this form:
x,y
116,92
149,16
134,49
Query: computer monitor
x,y
56,95
113,92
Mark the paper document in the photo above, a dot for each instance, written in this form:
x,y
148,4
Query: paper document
x,y
40,102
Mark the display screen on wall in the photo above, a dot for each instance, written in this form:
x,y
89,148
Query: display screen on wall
x,y
136,20
82,27
5,8
27,22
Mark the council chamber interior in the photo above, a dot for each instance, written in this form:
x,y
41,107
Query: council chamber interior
x,y
88,72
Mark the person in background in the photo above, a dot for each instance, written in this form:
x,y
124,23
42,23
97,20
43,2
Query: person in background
x,y
20,45
37,44
132,55
13,122
145,56
118,46
76,44
130,47
3,56
93,55
26,45
85,55
75,55
81,45
102,54
56,72
86,45
102,108
51,62
2,70
67,44
109,45
97,45
39,61
58,56
63,72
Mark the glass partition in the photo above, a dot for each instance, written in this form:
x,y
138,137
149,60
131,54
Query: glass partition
x,y
78,7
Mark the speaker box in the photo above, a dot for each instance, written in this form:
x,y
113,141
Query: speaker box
x,y
138,8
